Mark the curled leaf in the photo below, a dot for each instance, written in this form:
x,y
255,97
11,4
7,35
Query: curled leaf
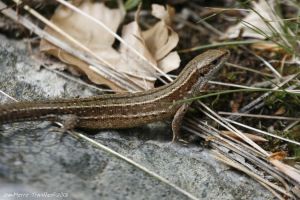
x,y
153,45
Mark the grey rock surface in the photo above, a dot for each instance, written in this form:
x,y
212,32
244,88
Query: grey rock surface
x,y
37,160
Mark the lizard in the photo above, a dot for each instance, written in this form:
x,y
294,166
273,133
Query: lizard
x,y
114,111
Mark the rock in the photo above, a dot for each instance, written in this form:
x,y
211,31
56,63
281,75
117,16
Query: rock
x,y
37,159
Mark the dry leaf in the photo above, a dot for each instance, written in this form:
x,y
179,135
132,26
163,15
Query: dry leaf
x,y
155,48
253,137
235,105
170,62
280,111
131,63
89,33
161,39
262,10
154,44
162,13
281,155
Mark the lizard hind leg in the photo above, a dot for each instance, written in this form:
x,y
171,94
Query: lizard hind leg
x,y
177,121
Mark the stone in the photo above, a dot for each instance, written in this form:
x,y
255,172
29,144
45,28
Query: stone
x,y
37,160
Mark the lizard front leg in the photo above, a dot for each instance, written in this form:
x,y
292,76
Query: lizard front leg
x,y
68,122
177,120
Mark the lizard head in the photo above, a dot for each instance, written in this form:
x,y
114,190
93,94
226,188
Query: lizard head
x,y
205,66
211,61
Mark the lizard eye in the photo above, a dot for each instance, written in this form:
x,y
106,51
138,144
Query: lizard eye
x,y
215,62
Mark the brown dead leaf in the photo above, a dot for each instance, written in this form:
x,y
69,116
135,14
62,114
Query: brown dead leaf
x,y
280,111
89,33
131,63
154,44
235,105
253,137
161,39
280,155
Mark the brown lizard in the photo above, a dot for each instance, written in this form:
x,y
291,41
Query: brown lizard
x,y
124,110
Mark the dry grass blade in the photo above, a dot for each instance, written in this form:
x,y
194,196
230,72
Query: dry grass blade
x,y
8,96
288,170
240,167
248,69
291,125
262,132
226,144
71,78
254,138
229,127
266,63
260,116
234,85
271,82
